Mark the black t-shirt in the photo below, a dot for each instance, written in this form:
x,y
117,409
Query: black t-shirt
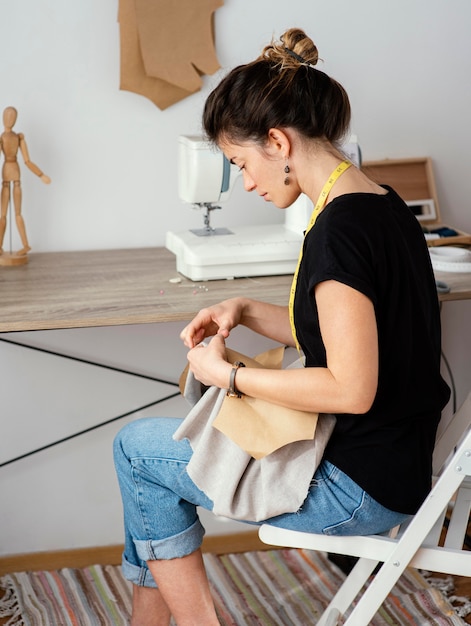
x,y
374,244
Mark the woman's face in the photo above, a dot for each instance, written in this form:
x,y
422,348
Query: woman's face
x,y
263,171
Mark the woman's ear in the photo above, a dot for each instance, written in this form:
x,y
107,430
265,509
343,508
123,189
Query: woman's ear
x,y
279,143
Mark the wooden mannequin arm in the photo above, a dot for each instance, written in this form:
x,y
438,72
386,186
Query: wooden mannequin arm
x,y
29,164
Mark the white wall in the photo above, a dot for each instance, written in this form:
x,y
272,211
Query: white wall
x,y
112,159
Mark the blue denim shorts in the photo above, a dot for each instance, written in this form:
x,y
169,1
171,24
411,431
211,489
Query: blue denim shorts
x,y
160,500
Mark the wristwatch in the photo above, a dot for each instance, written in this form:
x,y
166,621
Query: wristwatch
x,y
233,392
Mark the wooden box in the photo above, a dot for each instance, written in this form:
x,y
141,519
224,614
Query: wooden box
x,y
413,180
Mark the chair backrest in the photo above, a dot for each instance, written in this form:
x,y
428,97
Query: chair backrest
x,y
451,436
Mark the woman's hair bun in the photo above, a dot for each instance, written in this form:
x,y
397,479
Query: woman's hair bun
x,y
293,49
282,88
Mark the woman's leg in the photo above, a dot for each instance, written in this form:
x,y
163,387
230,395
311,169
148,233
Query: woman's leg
x,y
162,531
148,607
184,586
336,505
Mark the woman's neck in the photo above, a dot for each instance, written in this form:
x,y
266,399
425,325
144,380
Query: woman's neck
x,y
316,170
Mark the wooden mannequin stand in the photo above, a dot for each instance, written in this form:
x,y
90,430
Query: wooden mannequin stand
x,y
11,258
10,144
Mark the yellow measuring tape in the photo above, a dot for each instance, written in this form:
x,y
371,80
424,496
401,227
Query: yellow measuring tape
x,y
317,209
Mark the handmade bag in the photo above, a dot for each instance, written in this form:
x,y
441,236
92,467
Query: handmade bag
x,y
252,458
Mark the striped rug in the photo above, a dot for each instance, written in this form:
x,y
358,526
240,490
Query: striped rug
x,y
275,587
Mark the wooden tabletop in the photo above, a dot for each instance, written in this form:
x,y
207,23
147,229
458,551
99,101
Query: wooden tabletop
x,y
459,283
114,287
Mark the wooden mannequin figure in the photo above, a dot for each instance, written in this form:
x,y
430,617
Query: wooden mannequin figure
x,y
10,143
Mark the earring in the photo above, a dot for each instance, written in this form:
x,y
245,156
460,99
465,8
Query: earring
x,y
287,171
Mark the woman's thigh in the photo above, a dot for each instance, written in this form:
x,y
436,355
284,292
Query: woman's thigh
x,y
336,505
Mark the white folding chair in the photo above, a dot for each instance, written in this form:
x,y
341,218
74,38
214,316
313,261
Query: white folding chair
x,y
415,544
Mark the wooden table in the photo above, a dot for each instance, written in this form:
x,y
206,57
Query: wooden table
x,y
114,287
459,283
109,288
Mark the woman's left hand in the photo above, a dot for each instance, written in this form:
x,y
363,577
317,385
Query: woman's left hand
x,y
209,364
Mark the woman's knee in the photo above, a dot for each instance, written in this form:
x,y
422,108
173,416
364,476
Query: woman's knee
x,y
135,431
127,437
149,436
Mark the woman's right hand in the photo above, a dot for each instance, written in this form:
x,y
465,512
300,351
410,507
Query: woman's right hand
x,y
218,319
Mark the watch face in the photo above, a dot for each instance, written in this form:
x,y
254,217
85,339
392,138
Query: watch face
x,y
231,393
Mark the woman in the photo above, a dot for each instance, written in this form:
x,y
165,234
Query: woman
x,y
365,314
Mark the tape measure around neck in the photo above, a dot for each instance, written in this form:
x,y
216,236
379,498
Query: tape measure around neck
x,y
317,209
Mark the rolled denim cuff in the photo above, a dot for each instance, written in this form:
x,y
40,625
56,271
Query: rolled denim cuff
x,y
139,576
173,547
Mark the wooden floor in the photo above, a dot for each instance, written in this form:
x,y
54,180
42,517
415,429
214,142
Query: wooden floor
x,y
111,555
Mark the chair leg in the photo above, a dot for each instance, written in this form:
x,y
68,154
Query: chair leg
x,y
434,535
333,618
374,595
349,590
459,519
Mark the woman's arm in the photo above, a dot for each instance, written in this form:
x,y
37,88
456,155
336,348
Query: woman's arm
x,y
268,320
349,382
347,385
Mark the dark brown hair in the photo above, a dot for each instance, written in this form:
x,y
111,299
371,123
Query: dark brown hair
x,y
280,89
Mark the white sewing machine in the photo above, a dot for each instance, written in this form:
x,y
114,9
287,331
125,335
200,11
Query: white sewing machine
x,y
206,178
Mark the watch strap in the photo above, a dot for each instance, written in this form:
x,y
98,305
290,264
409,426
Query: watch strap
x,y
233,392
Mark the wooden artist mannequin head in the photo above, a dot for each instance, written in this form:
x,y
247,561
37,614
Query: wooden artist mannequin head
x,y
10,143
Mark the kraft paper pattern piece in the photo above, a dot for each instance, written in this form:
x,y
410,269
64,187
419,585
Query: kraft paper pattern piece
x,y
166,46
257,426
